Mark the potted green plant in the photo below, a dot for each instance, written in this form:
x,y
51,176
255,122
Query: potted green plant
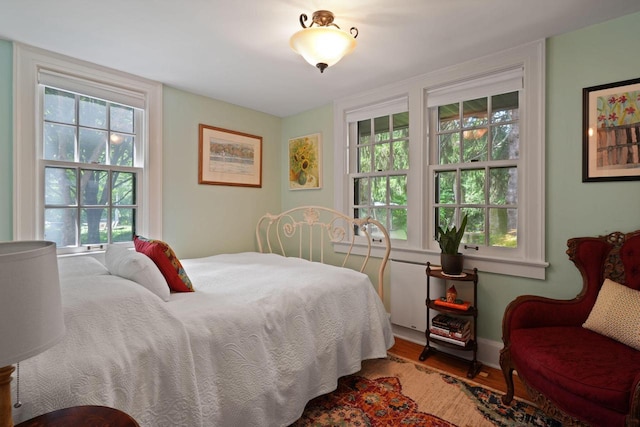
x,y
449,240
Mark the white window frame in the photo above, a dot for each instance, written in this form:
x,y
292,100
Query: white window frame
x,y
28,185
529,261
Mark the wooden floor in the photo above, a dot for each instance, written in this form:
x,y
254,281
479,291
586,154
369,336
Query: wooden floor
x,y
488,377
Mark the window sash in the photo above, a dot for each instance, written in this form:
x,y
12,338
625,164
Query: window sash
x,y
384,210
435,166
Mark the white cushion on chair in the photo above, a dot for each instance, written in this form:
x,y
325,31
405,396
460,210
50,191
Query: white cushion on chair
x,y
616,314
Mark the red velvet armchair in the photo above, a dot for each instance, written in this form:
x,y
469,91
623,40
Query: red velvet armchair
x,y
573,373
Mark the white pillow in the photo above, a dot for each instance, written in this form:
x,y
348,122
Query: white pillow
x,y
616,314
138,267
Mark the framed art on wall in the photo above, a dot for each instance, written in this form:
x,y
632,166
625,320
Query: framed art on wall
x,y
227,157
611,132
305,162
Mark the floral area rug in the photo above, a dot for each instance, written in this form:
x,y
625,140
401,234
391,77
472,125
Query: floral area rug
x,y
396,392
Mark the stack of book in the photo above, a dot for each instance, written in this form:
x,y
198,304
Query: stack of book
x,y
450,329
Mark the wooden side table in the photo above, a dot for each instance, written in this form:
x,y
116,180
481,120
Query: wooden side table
x,y
82,416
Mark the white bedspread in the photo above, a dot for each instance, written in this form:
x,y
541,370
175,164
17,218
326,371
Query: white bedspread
x,y
260,337
270,333
122,349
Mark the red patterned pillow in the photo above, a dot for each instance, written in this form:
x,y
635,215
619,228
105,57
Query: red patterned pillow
x,y
167,262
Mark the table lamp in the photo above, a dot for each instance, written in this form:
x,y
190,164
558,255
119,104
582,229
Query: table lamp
x,y
31,317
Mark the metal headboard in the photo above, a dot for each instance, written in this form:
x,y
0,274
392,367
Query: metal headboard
x,y
303,231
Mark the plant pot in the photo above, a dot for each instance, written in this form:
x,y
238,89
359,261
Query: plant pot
x,y
452,264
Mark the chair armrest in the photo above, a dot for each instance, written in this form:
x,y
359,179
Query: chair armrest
x,y
531,311
634,403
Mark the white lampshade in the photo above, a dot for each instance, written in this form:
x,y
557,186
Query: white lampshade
x,y
322,45
31,318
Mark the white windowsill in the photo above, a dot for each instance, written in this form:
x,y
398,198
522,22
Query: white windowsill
x,y
510,267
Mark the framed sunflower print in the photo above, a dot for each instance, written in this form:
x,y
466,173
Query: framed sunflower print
x,y
305,162
611,132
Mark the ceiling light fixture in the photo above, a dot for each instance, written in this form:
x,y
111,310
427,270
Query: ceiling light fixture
x,y
325,44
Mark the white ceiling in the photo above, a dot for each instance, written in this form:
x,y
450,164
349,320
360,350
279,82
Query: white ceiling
x,y
238,50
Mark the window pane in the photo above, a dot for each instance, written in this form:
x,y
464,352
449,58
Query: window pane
x,y
449,117
504,186
381,156
122,224
449,148
60,187
92,146
86,130
505,142
382,152
361,213
398,189
60,226
474,113
121,118
445,217
59,106
379,190
401,155
475,145
503,227
59,142
401,125
475,232
381,215
364,159
504,107
398,228
123,188
93,185
472,186
94,227
361,195
382,128
445,187
121,153
364,131
93,112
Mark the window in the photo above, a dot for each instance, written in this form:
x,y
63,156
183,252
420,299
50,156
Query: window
x,y
380,151
89,168
88,150
478,150
475,158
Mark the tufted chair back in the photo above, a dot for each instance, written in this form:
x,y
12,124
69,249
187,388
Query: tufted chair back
x,y
615,256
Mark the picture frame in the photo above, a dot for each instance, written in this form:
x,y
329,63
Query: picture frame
x,y
305,162
228,157
611,132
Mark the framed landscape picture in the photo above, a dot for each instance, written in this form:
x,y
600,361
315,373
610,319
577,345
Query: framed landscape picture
x,y
611,132
305,162
227,157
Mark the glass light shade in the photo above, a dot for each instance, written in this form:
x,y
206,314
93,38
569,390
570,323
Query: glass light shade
x,y
322,45
31,318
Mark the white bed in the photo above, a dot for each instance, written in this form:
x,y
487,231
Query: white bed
x,y
261,336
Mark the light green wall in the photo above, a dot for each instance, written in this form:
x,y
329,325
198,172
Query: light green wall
x,y
6,146
319,120
205,219
595,55
200,219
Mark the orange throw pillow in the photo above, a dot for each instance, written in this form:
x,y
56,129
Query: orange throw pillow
x,y
167,262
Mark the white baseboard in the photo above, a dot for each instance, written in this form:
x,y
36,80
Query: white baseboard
x,y
488,350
